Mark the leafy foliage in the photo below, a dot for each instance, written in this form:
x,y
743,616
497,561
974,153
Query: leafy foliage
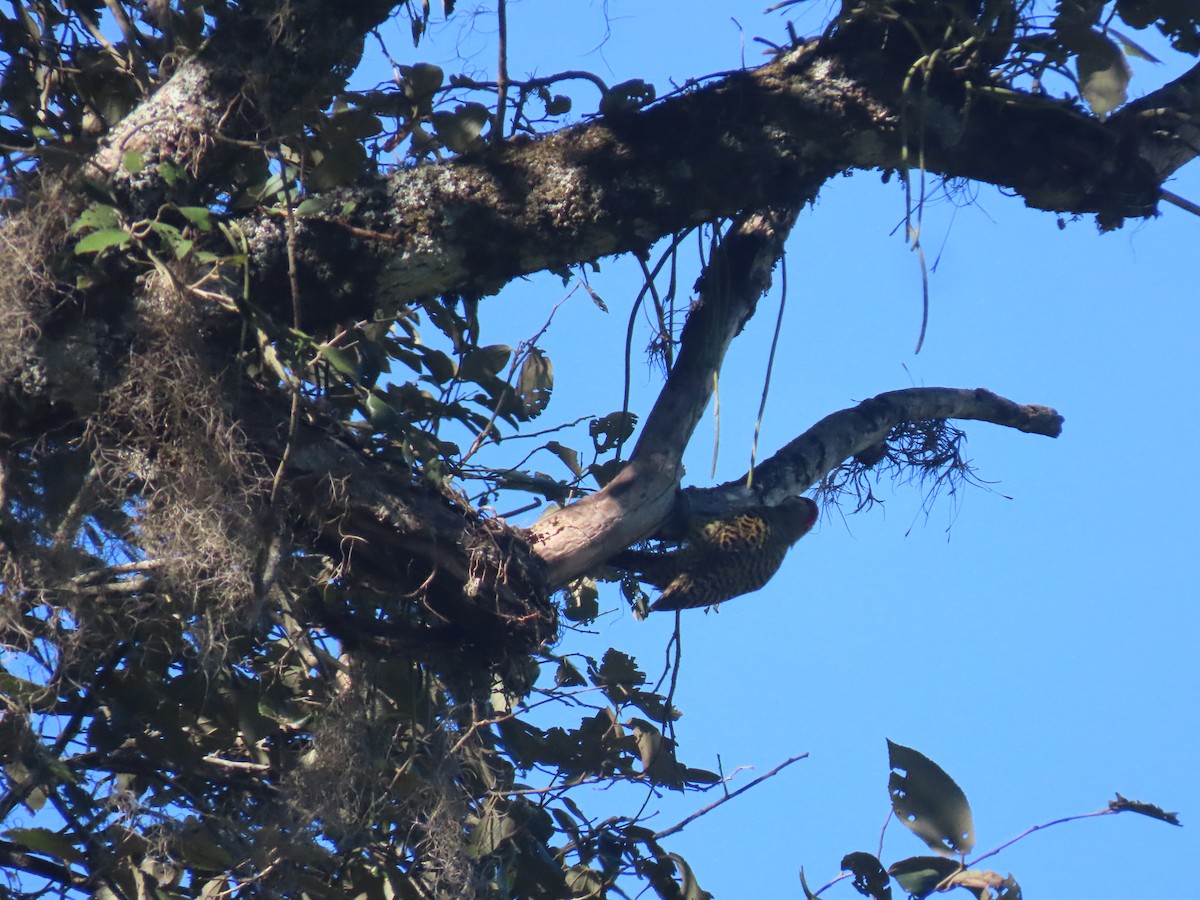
x,y
935,809
215,683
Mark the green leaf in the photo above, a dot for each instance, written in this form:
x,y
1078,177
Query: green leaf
x,y
421,80
583,881
484,362
102,240
459,129
569,457
20,690
133,162
808,894
344,362
691,889
379,411
928,801
46,842
920,875
440,366
200,216
1133,48
170,173
199,850
98,215
340,164
34,799
533,483
313,206
357,124
169,234
491,832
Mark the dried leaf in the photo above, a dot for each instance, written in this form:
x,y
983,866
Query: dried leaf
x,y
1121,804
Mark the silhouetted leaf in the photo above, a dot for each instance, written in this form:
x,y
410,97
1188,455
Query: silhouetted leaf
x,y
1121,804
1175,19
558,105
608,431
870,879
808,894
583,600
566,675
691,887
490,831
583,881
1009,890
626,96
421,80
569,457
484,362
928,801
535,383
440,366
920,875
617,668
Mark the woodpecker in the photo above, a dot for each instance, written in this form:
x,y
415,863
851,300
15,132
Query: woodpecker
x,y
723,558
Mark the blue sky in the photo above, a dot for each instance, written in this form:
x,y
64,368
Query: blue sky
x,y
1037,640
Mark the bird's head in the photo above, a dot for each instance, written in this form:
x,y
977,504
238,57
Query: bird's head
x,y
795,517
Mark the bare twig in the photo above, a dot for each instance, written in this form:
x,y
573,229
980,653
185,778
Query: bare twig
x,y
501,70
1033,828
679,826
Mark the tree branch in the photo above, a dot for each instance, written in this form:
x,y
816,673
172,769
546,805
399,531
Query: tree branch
x,y
255,65
635,503
753,139
837,437
679,826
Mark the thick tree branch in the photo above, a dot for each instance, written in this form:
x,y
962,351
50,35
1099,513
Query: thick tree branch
x,y
751,140
475,576
837,437
636,502
258,63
